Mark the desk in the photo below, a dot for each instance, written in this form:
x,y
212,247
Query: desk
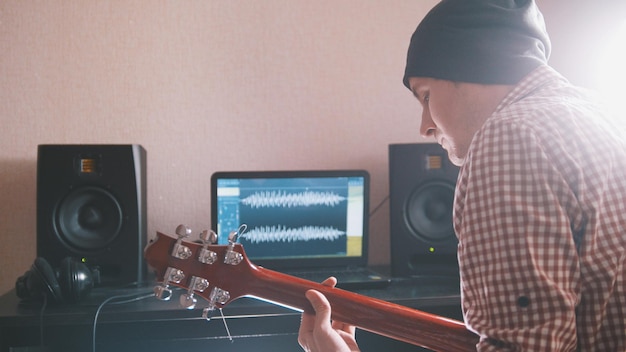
x,y
153,325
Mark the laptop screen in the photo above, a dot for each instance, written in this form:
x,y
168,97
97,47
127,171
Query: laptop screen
x,y
294,218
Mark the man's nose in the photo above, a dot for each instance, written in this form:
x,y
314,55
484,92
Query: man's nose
x,y
427,127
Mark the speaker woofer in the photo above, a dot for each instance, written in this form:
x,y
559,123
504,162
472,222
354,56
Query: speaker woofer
x,y
88,218
428,212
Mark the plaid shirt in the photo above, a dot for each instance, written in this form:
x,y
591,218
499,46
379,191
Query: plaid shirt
x,y
540,212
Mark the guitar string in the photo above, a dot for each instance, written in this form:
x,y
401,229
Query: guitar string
x,y
226,326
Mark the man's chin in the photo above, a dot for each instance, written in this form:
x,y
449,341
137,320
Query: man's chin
x,y
454,159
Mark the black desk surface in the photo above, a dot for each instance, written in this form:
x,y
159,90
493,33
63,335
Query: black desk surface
x,y
419,292
151,319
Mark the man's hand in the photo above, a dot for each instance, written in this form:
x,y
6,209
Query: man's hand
x,y
317,333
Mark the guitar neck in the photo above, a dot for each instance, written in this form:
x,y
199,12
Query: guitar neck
x,y
377,316
177,263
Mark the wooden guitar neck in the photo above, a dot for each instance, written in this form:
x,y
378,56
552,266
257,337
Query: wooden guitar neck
x,y
231,275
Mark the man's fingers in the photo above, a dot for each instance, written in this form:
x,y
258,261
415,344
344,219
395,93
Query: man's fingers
x,y
313,321
321,309
320,306
307,324
350,329
317,333
330,282
318,321
306,330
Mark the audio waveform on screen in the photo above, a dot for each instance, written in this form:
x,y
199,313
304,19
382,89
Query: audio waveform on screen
x,y
272,199
281,233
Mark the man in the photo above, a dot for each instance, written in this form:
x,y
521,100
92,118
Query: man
x,y
540,204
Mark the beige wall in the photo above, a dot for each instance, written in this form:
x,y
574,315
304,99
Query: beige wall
x,y
204,86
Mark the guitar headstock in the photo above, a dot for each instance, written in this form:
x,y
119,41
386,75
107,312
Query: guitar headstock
x,y
217,273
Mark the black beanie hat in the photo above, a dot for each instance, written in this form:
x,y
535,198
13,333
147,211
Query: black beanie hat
x,y
478,41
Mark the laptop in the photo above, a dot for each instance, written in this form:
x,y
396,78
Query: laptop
x,y
311,224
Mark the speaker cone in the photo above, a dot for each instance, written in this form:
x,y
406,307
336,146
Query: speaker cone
x,y
88,218
428,211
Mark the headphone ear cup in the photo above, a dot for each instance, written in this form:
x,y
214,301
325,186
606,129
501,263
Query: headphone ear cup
x,y
75,280
39,280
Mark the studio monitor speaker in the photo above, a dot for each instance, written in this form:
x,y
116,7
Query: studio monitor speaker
x,y
422,181
91,205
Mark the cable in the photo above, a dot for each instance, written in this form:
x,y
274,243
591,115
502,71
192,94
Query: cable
x,y
106,301
379,205
41,312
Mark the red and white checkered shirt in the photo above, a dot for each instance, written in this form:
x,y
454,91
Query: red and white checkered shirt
x,y
540,212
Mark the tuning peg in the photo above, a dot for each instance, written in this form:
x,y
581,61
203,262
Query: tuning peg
x,y
188,301
205,255
183,231
208,237
217,296
207,312
198,284
233,237
163,292
232,257
181,251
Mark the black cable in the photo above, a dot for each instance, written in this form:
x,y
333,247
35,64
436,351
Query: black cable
x,y
379,205
41,312
106,301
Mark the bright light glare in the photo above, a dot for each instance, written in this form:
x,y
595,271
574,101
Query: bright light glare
x,y
612,73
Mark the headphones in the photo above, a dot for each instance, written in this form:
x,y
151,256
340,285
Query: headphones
x,y
69,283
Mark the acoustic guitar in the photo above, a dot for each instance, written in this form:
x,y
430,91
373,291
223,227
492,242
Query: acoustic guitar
x,y
222,273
